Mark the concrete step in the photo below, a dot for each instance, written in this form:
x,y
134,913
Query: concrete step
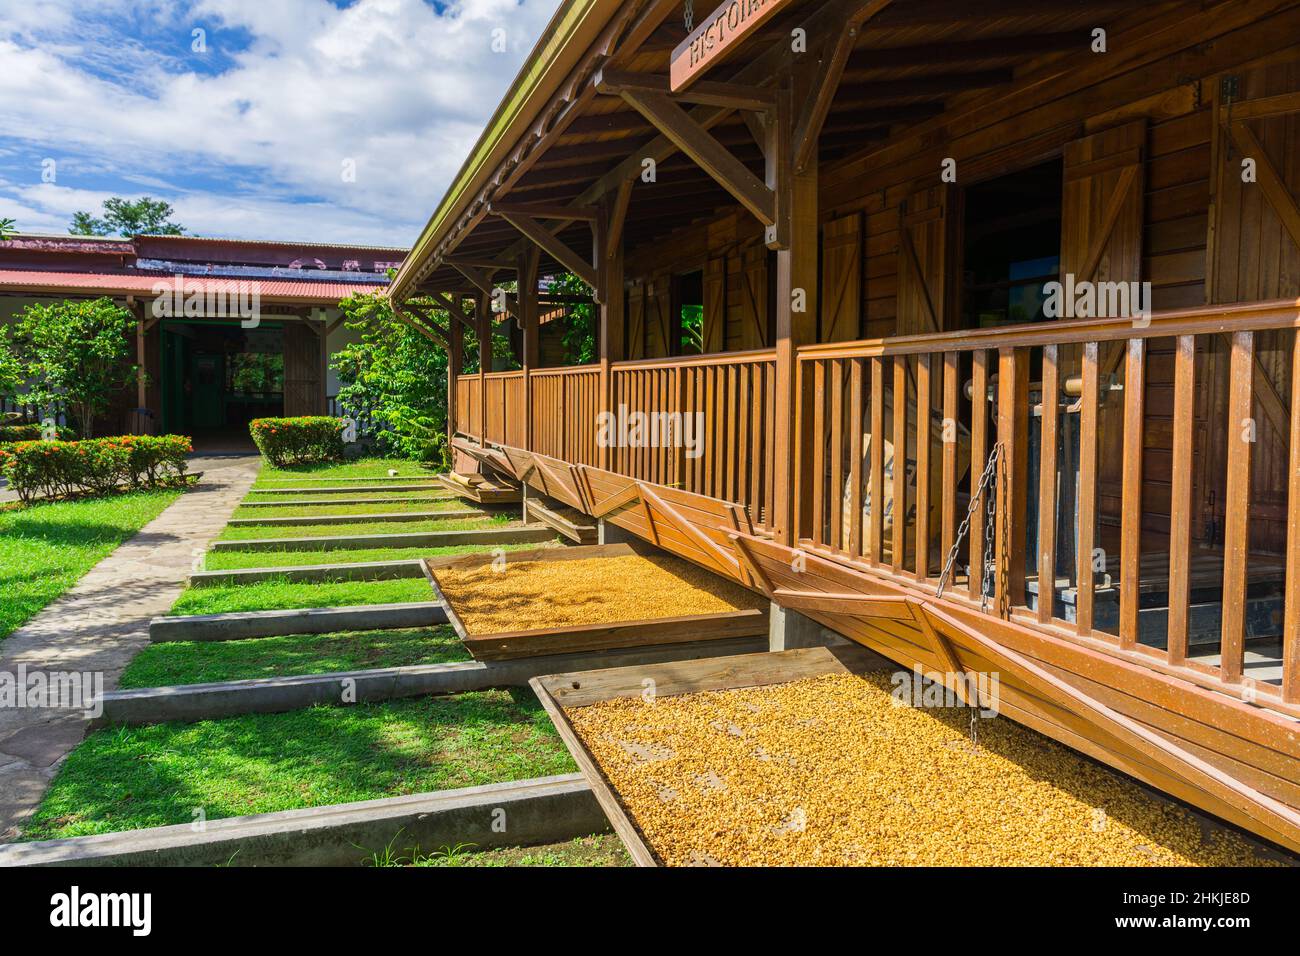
x,y
242,625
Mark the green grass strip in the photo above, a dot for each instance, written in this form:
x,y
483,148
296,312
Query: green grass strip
x,y
239,560
201,662
133,777
256,531
384,508
274,595
360,468
603,849
46,548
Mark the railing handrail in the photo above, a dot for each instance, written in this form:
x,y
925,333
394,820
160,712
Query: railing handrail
x,y
1197,320
500,376
565,370
714,358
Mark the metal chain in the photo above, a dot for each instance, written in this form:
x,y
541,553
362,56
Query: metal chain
x,y
689,16
986,479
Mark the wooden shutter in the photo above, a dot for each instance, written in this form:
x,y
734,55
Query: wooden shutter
x,y
753,299
304,392
923,251
842,280
1101,241
658,318
635,344
1254,255
715,306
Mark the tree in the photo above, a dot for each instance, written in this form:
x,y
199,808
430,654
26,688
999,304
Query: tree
x,y
579,331
144,216
76,353
12,377
396,377
6,229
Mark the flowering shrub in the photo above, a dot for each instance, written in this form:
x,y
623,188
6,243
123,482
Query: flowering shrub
x,y
311,438
49,469
30,432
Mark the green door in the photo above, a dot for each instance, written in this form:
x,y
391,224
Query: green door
x,y
207,390
175,363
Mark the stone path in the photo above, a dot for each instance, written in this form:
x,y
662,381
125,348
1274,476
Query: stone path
x,y
101,623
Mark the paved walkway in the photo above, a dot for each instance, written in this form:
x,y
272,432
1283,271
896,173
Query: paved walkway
x,y
101,623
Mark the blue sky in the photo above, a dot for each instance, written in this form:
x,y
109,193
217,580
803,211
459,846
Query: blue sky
x,y
251,128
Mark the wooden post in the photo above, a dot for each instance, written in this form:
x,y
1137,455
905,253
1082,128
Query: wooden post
x,y
455,365
1013,435
141,393
796,316
608,247
528,322
483,316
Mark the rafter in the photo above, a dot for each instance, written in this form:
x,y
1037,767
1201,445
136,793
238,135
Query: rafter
x,y
698,143
545,211
736,96
551,245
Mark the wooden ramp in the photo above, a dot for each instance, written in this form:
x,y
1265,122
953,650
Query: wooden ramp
x,y
481,490
1057,688
569,522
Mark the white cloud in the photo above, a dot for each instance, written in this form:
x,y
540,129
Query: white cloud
x,y
258,149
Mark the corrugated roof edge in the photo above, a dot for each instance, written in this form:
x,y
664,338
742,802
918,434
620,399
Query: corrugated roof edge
x,y
576,22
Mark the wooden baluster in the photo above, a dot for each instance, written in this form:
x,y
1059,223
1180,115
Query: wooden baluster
x,y
757,453
1013,436
1087,491
1236,524
1130,553
1291,604
819,452
836,539
855,457
948,505
876,521
979,450
898,541
923,467
1051,409
1180,499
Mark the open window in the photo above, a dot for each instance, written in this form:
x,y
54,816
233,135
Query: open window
x,y
1011,246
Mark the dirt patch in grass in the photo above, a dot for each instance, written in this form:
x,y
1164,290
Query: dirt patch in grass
x,y
541,594
602,850
126,778
200,662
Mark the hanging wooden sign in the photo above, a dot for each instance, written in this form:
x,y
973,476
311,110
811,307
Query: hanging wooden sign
x,y
720,31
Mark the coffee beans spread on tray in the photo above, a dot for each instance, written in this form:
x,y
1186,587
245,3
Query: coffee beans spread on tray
x,y
835,770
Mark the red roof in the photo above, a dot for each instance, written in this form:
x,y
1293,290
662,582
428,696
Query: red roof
x,y
144,283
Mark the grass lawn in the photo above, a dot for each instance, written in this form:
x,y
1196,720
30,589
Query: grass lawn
x,y
361,468
603,850
276,595
237,560
126,778
312,496
325,508
46,548
200,662
255,531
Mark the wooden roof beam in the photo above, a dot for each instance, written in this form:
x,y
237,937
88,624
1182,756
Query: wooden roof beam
x,y
551,244
453,309
835,56
698,143
966,51
736,96
544,211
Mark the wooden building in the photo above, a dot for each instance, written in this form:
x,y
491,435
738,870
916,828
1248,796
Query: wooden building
x,y
1046,253
208,364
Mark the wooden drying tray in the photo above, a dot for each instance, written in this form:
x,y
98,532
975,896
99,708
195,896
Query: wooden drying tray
x,y
645,632
482,490
569,522
562,692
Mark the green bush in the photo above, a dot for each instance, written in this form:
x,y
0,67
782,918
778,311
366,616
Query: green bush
x,y
51,469
31,432
289,441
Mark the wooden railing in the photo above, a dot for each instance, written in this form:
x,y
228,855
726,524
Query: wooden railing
x,y
566,404
1130,506
714,430
469,405
505,423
